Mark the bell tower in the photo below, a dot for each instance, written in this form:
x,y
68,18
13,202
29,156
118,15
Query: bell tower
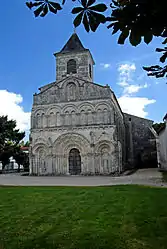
x,y
75,60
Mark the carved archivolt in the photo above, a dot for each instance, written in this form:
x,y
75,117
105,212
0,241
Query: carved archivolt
x,y
85,114
40,148
53,109
104,145
86,106
69,108
65,142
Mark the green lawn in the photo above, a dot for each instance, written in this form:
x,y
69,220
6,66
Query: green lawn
x,y
89,217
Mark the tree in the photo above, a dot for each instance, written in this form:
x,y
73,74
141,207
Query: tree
x,y
20,157
133,19
158,127
24,144
27,144
9,139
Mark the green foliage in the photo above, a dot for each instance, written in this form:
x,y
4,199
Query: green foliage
x,y
158,127
134,19
89,15
24,144
9,138
19,156
43,6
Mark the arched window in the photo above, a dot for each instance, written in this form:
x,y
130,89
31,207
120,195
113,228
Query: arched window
x,y
71,66
51,119
38,121
71,91
90,71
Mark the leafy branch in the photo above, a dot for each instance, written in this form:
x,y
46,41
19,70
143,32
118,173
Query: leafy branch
x,y
135,20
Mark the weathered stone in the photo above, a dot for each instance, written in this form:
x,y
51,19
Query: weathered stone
x,y
77,126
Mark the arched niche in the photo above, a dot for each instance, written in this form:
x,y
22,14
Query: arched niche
x,y
71,66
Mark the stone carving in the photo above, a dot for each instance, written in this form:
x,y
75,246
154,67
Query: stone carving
x,y
56,93
75,114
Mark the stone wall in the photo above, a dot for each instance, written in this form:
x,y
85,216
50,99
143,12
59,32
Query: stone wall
x,y
81,113
100,153
83,60
163,149
140,142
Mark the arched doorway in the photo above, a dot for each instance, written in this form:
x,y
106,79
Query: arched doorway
x,y
74,162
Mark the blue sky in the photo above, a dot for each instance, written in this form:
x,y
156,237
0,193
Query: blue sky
x,y
27,62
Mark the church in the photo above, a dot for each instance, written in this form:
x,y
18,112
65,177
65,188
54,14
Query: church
x,y
78,127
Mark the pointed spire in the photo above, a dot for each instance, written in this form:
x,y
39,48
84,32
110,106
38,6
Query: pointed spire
x,y
73,45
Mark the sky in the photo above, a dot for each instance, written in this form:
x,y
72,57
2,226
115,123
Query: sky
x,y
27,45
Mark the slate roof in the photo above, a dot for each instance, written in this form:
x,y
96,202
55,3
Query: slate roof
x,y
73,45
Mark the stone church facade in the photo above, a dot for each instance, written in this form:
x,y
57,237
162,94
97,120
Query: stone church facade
x,y
78,127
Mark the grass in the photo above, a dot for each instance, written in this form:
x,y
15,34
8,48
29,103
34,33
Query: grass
x,y
118,217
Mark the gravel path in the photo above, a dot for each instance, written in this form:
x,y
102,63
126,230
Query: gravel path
x,y
150,177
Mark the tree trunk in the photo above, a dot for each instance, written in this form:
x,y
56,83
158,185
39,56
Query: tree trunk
x,y
3,165
18,168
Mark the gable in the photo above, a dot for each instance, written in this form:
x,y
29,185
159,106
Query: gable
x,y
71,89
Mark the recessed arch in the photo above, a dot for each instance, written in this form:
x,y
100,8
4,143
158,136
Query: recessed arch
x,y
53,109
74,161
69,108
86,106
71,66
67,141
103,105
38,111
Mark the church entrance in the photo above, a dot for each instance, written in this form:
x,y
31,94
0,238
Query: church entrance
x,y
74,162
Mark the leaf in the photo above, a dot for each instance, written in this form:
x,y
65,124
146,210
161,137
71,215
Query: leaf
x,y
45,11
83,2
148,37
78,19
123,36
116,27
165,41
99,7
53,10
110,26
159,50
90,2
99,17
115,3
55,5
163,57
134,38
37,3
155,68
111,18
29,5
77,10
93,22
38,10
86,23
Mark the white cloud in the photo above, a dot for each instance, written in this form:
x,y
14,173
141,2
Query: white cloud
x,y
10,104
125,73
135,105
129,89
128,101
105,65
